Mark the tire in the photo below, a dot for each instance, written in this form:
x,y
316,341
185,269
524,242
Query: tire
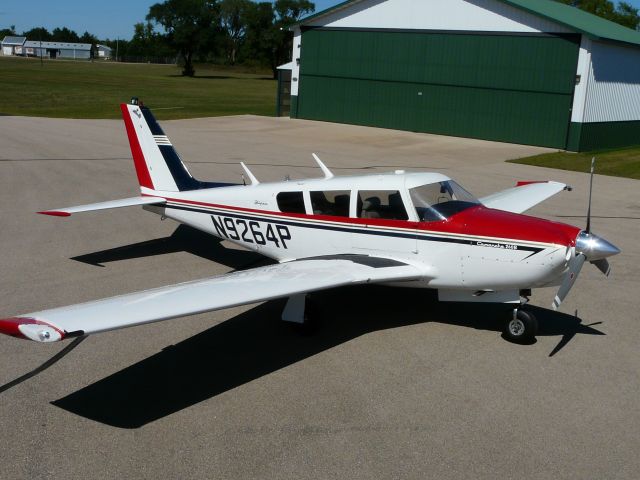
x,y
521,329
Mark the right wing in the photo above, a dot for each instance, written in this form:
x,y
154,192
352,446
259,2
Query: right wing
x,y
123,202
523,196
224,291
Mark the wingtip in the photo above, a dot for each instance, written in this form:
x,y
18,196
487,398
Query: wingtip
x,y
55,213
523,183
30,329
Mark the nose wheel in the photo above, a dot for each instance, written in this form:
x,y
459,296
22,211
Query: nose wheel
x,y
521,327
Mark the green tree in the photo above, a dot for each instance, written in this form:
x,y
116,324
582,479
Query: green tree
x,y
627,15
7,32
190,26
257,46
234,17
268,38
38,33
64,35
622,13
288,13
147,43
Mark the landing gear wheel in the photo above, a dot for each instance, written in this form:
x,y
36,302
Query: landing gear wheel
x,y
522,328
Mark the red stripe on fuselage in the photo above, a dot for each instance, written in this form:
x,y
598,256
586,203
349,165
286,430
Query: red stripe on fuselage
x,y
488,222
144,179
475,221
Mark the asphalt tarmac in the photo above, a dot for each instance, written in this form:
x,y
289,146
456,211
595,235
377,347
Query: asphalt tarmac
x,y
391,384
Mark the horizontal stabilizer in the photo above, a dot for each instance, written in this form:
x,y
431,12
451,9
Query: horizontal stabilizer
x,y
523,196
123,202
224,291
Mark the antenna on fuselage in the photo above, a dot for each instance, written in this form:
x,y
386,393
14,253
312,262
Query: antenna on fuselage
x,y
323,167
252,178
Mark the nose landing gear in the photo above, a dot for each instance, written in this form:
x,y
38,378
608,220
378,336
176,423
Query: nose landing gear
x,y
522,327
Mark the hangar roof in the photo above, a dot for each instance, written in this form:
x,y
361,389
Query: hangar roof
x,y
571,17
9,40
57,45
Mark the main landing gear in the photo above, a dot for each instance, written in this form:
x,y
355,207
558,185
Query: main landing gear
x,y
521,327
302,312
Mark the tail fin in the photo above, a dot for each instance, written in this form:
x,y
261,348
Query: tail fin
x,y
158,165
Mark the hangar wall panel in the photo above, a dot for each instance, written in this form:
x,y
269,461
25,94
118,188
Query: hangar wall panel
x,y
613,93
499,87
468,15
611,110
602,135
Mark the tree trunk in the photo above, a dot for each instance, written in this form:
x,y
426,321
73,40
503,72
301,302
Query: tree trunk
x,y
188,70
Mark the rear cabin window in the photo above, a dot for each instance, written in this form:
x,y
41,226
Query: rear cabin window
x,y
386,204
334,203
291,202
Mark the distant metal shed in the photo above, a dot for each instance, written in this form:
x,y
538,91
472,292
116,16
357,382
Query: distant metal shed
x,y
57,49
104,52
10,43
524,71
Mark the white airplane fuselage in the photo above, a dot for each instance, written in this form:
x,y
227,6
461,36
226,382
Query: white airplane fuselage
x,y
480,249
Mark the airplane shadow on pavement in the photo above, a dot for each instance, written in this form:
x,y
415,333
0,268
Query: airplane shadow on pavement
x,y
183,239
257,343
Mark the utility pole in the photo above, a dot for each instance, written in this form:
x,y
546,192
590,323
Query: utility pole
x,y
41,62
117,41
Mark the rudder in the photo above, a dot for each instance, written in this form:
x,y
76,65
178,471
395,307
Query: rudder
x,y
158,165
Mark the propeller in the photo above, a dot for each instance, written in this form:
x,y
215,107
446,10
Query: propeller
x,y
588,247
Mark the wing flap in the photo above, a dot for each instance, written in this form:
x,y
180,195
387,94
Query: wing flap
x,y
233,289
523,196
123,202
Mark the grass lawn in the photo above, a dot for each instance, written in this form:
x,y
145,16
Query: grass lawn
x,y
84,89
617,163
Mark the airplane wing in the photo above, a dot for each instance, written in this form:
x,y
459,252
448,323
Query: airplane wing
x,y
224,291
523,196
123,202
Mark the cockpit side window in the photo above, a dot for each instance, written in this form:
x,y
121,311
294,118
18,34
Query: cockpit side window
x,y
291,202
385,204
438,201
333,202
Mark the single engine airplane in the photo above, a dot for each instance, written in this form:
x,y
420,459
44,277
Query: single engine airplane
x,y
399,229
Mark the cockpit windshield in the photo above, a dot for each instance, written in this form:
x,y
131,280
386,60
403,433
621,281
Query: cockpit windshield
x,y
438,201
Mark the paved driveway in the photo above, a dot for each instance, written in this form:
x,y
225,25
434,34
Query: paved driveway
x,y
394,385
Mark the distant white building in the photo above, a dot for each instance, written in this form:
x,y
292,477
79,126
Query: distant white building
x,y
12,45
104,52
56,49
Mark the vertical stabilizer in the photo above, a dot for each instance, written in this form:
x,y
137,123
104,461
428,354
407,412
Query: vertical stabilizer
x,y
158,165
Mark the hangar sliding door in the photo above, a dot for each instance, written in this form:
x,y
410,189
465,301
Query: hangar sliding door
x,y
504,87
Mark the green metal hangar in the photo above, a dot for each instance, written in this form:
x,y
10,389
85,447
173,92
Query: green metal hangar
x,y
523,71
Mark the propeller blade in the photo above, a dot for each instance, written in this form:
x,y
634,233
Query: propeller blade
x,y
575,265
603,266
593,167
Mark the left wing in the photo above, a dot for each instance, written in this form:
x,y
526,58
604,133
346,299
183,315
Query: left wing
x,y
523,196
230,290
90,207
